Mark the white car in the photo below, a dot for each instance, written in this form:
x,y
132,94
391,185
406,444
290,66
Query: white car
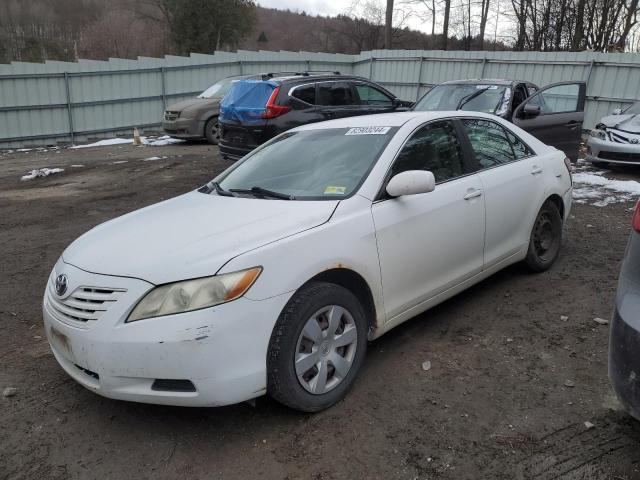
x,y
273,277
616,138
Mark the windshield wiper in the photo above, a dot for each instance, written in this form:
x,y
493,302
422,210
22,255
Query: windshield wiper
x,y
263,192
219,190
464,100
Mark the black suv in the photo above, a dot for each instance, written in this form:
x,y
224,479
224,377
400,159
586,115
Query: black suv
x,y
255,111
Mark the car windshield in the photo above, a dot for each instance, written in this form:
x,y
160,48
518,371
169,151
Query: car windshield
x,y
447,97
308,165
633,109
219,89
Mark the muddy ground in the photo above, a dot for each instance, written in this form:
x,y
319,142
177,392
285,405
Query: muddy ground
x,y
494,404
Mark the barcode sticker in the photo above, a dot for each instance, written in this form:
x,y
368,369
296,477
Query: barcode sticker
x,y
368,131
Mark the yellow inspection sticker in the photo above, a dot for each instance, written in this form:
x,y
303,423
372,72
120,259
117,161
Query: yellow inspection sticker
x,y
331,190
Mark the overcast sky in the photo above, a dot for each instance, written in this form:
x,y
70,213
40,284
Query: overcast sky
x,y
322,7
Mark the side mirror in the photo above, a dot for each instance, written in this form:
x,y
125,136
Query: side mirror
x,y
616,111
411,182
531,111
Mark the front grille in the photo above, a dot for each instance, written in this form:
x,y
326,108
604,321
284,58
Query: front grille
x,y
619,156
171,116
618,137
84,305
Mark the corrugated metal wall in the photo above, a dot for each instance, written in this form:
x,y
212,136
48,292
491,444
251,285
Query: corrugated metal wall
x,y
61,102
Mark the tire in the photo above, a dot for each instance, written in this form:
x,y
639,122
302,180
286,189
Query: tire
x,y
600,164
211,131
315,304
545,240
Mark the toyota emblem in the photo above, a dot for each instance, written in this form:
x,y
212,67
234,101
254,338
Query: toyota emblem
x,y
61,284
634,140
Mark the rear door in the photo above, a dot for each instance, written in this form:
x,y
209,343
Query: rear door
x,y
336,99
513,183
554,115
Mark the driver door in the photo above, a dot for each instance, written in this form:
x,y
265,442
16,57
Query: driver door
x,y
430,242
554,115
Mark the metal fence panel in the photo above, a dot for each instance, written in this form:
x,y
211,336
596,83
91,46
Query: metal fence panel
x,y
54,101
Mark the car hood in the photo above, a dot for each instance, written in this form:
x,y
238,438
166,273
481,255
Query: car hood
x,y
628,123
190,236
194,103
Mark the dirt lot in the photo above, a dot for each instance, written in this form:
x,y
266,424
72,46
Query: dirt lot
x,y
495,404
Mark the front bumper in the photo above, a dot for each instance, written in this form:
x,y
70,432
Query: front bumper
x,y
612,152
221,350
184,128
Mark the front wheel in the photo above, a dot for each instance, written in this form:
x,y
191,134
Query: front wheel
x,y
546,236
211,131
317,347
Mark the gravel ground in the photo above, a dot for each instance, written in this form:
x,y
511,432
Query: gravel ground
x,y
507,397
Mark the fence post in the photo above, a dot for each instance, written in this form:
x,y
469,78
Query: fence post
x,y
591,64
163,82
308,63
371,60
419,79
241,69
69,107
484,62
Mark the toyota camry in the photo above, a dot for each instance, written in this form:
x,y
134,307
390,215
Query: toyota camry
x,y
272,278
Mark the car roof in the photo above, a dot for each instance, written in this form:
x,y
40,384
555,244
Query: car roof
x,y
389,119
483,81
315,77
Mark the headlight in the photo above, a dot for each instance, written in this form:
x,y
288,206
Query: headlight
x,y
195,294
597,133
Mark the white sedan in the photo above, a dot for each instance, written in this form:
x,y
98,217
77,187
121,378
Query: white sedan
x,y
273,277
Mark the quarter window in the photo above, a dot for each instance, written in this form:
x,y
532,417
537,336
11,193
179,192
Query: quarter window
x,y
489,142
372,96
306,93
520,149
435,148
335,94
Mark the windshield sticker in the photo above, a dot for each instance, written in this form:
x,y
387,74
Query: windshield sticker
x,y
368,131
488,87
331,190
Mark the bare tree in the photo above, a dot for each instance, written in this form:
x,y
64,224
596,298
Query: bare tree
x,y
388,25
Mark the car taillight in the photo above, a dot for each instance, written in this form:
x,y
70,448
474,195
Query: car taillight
x,y
636,218
271,110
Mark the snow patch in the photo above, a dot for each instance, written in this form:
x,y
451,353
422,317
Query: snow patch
x,y
152,141
119,162
41,172
596,189
160,141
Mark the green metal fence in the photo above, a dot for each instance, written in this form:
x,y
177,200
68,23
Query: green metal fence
x,y
62,102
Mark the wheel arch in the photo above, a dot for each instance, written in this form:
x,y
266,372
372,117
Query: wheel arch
x,y
356,284
557,201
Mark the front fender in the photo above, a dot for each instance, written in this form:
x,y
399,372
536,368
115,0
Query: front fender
x,y
347,240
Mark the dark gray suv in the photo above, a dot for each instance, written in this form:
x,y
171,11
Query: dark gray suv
x,y
624,344
553,114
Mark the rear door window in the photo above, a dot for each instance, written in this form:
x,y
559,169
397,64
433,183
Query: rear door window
x,y
305,93
335,94
489,142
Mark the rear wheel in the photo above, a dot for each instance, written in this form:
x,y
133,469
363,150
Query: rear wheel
x,y
546,236
211,131
316,348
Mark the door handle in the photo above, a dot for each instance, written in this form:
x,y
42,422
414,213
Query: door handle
x,y
573,125
473,194
536,170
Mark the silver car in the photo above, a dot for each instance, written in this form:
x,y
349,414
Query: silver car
x,y
616,139
624,346
197,118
